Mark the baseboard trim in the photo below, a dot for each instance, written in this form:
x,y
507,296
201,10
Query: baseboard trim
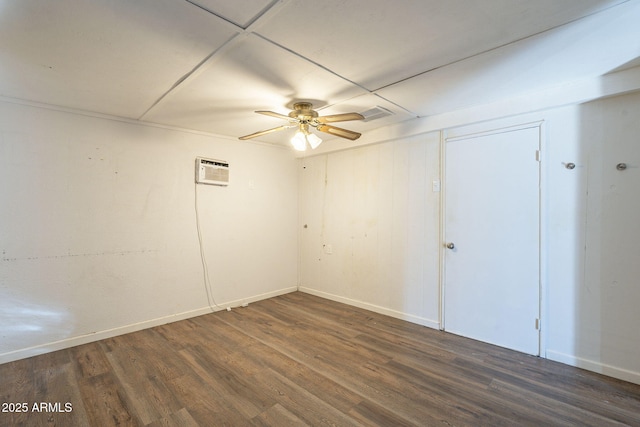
x,y
593,366
372,307
134,327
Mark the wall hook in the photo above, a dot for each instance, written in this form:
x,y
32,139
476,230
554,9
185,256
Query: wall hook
x,y
621,166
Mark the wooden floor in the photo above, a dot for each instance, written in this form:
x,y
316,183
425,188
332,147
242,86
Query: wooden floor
x,y
302,360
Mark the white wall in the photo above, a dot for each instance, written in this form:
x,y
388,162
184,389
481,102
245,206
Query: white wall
x,y
98,231
375,206
594,255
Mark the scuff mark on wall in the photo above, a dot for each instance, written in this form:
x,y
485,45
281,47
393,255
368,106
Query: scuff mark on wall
x,y
74,255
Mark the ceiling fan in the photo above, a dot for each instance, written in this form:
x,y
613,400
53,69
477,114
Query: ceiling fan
x,y
304,116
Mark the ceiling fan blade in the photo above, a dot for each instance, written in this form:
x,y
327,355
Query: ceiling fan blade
x,y
343,133
264,132
274,114
340,117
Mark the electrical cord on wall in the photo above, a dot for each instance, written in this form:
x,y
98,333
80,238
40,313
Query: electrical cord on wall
x,y
205,270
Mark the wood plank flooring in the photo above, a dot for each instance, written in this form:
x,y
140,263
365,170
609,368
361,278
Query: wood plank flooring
x,y
299,360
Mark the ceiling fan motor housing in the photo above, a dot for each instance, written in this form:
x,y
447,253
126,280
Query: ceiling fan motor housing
x,y
303,111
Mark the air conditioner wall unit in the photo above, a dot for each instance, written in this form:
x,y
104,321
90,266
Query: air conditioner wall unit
x,y
212,171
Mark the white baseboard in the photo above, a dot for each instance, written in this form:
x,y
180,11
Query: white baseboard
x,y
121,330
593,366
375,308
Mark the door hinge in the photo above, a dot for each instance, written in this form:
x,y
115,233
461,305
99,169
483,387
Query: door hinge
x,y
537,324
538,156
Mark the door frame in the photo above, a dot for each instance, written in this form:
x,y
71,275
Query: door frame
x,y
485,129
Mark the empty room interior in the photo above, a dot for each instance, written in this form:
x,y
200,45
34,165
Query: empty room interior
x,y
253,212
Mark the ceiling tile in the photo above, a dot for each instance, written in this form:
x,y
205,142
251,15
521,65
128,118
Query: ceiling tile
x,y
378,42
115,57
251,75
588,48
240,12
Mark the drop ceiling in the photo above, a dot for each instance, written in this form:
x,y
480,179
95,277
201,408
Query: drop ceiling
x,y
207,65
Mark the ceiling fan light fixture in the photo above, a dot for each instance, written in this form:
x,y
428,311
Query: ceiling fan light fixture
x,y
313,140
299,141
304,137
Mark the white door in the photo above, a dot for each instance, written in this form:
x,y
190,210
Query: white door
x,y
492,230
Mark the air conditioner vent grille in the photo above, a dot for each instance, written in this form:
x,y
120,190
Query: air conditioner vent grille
x,y
374,113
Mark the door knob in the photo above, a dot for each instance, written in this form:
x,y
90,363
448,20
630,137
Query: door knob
x,y
451,245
